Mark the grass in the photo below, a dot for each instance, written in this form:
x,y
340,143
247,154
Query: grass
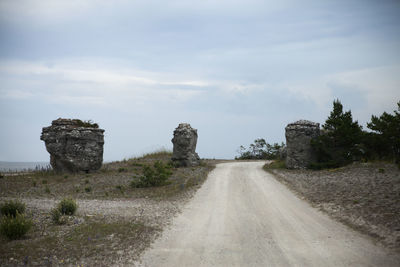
x,y
103,183
65,240
276,164
94,240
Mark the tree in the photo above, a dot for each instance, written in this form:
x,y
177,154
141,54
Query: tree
x,y
260,149
340,141
384,141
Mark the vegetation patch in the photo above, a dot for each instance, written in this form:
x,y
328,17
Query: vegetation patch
x,y
276,164
342,140
12,208
15,227
153,176
86,124
260,150
67,206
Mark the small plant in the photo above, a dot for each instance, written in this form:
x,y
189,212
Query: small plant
x,y
120,188
65,176
155,176
47,189
15,227
86,124
381,170
88,189
121,169
11,208
67,206
1,176
86,181
44,181
57,217
34,183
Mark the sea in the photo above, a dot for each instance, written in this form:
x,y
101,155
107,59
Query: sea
x,y
6,166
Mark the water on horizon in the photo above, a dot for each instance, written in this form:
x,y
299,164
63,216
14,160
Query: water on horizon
x,y
22,166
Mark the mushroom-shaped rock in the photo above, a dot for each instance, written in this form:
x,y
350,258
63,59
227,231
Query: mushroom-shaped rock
x,y
184,141
74,145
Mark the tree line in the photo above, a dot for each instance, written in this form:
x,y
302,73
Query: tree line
x,y
343,140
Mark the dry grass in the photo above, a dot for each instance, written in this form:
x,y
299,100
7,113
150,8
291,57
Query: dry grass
x,y
110,182
100,239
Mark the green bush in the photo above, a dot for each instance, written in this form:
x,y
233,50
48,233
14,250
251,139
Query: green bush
x,y
15,227
11,208
67,206
88,189
260,150
57,217
153,176
86,124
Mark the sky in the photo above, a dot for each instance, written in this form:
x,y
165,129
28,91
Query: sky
x,y
235,70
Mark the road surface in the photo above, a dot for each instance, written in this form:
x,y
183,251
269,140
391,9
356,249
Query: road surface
x,y
242,216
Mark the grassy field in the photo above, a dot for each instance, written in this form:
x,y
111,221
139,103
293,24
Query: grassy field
x,y
116,235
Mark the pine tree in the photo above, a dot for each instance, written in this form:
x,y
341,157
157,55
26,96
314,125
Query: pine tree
x,y
339,143
384,141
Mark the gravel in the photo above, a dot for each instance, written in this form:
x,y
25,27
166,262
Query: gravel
x,y
365,196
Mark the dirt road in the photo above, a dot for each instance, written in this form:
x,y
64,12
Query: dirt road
x,y
243,217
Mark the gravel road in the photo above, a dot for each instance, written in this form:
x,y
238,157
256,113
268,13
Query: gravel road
x,y
243,217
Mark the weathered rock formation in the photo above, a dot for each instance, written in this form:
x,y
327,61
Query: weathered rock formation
x,y
299,153
185,140
74,145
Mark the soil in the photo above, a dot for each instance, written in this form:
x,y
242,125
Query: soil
x,y
114,223
365,196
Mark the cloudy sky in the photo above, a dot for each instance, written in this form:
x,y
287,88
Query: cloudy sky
x,y
236,70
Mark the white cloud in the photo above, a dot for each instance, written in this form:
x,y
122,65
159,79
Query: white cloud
x,y
375,89
85,82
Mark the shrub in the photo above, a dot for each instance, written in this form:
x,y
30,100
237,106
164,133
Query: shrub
x,y
67,206
153,176
88,189
15,227
57,216
260,150
11,208
86,124
47,189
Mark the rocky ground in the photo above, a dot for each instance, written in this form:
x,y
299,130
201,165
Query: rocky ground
x,y
365,196
114,222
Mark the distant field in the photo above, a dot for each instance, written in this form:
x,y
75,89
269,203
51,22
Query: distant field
x,y
6,166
